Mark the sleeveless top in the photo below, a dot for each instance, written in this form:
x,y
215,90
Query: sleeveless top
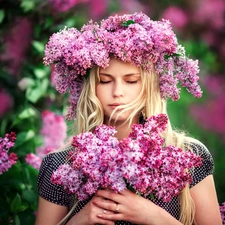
x,y
56,193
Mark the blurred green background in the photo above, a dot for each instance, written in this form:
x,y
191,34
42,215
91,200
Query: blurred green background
x,y
27,87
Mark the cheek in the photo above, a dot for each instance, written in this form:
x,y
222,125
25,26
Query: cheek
x,y
100,93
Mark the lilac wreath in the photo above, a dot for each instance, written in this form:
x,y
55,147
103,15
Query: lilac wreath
x,y
133,38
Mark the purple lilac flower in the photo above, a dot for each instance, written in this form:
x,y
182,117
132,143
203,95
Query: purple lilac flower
x,y
54,132
222,212
210,115
33,160
6,102
142,161
133,38
6,161
16,46
65,5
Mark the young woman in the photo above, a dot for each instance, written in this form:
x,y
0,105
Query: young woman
x,y
127,80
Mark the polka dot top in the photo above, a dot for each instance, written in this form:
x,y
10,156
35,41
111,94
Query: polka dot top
x,y
56,194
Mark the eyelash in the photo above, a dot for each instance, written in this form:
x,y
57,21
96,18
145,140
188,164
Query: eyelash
x,y
129,82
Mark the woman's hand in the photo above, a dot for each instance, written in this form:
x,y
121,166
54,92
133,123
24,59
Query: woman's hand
x,y
126,205
89,214
133,208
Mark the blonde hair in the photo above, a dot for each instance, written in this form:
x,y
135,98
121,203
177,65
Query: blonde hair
x,y
90,114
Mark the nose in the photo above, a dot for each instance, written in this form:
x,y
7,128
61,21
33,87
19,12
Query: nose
x,y
118,89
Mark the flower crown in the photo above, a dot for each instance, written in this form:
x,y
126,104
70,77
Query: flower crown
x,y
133,38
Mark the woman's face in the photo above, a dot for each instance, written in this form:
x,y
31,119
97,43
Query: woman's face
x,y
120,83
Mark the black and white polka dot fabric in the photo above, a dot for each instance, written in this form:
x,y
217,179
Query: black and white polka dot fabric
x,y
56,193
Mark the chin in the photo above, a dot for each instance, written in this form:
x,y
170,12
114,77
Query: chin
x,y
117,120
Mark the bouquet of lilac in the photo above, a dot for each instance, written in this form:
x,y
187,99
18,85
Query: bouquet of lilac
x,y
142,162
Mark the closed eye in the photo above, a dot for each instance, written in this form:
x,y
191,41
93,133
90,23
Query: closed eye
x,y
104,82
132,81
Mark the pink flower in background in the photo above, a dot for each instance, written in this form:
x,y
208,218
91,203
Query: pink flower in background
x,y
54,132
211,114
6,161
17,42
222,212
215,84
64,5
209,12
33,160
131,6
97,8
6,102
176,16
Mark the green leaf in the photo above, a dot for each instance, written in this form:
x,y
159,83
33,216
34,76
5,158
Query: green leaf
x,y
23,137
16,203
33,94
2,15
127,23
27,5
152,197
29,196
27,113
17,220
40,73
39,46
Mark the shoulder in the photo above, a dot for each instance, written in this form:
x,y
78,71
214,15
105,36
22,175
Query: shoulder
x,y
47,190
199,173
55,159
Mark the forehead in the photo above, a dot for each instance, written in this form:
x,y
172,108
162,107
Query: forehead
x,y
118,67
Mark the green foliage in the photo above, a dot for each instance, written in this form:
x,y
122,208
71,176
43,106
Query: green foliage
x,y
32,92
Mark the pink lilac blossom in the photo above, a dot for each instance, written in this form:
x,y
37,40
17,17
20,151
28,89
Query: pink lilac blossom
x,y
210,114
6,102
141,161
176,16
222,212
133,38
130,5
204,13
65,5
6,161
17,42
33,160
54,132
97,8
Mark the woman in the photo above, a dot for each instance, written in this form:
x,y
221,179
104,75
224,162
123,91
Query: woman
x,y
132,66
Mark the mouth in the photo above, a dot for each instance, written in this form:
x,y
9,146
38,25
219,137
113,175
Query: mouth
x,y
115,105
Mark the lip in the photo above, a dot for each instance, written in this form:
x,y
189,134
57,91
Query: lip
x,y
114,105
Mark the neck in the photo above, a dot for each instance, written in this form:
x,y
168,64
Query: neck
x,y
123,129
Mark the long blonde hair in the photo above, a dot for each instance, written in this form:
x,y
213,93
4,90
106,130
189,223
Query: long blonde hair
x,y
90,114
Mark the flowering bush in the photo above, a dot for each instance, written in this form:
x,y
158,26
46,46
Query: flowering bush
x,y
142,161
54,134
6,161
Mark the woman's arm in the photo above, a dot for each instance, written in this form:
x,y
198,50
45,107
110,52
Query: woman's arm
x,y
139,210
49,213
206,203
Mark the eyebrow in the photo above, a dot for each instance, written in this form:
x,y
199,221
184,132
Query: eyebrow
x,y
126,75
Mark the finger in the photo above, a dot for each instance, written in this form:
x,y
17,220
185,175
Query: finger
x,y
109,195
111,217
111,207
